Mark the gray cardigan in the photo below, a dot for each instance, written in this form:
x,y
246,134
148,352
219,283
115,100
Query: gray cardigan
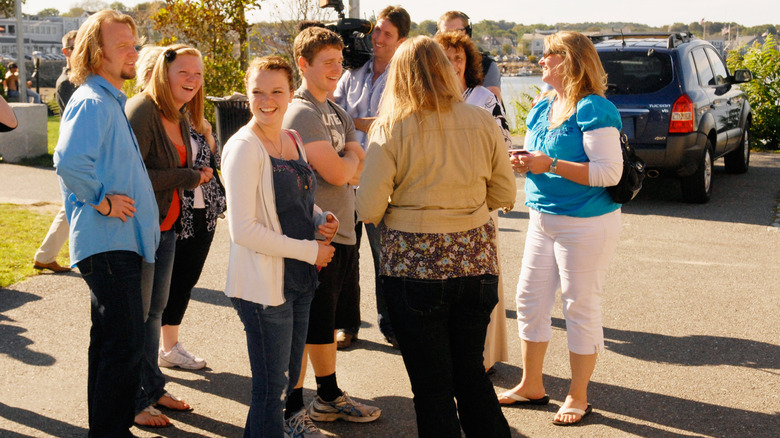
x,y
159,153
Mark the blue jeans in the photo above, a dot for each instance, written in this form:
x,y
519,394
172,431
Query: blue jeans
x,y
441,326
156,287
275,338
115,340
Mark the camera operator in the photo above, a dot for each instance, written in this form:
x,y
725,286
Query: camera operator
x,y
359,91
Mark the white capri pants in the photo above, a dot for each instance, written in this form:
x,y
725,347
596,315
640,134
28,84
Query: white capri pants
x,y
571,253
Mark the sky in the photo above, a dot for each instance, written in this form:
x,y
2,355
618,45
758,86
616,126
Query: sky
x,y
745,12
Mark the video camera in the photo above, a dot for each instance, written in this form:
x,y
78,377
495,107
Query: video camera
x,y
355,34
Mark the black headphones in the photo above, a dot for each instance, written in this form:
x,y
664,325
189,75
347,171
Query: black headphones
x,y
467,29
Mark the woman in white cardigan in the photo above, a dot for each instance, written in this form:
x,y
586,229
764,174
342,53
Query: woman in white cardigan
x,y
273,251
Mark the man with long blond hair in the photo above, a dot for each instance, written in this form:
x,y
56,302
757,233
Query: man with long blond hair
x,y
112,213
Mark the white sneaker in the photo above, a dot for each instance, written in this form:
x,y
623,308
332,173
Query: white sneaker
x,y
179,357
343,408
301,426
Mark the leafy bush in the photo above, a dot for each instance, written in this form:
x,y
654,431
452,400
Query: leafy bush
x,y
763,91
522,105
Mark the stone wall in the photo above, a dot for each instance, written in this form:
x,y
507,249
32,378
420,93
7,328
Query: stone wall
x,y
30,138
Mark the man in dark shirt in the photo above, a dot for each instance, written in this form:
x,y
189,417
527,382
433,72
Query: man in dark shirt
x,y
65,87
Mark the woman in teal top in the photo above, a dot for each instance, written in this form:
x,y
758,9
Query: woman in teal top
x,y
574,153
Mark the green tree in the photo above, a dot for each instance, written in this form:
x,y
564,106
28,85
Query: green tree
x,y
507,49
764,90
218,28
427,27
7,8
49,12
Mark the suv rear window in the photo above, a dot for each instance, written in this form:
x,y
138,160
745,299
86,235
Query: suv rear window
x,y
631,72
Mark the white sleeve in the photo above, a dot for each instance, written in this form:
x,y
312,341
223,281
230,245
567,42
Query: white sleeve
x,y
602,146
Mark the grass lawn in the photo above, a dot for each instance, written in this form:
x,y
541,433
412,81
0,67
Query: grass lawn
x,y
23,229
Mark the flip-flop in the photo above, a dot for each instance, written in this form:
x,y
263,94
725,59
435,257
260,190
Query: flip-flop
x,y
176,399
574,411
153,413
520,400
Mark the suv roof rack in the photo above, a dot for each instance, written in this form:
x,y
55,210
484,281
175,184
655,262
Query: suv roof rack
x,y
672,39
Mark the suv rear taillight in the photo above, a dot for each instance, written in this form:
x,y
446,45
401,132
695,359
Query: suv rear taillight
x,y
682,116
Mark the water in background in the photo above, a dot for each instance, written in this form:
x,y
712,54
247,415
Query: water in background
x,y
512,87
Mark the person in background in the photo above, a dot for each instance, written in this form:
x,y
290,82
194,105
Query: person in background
x,y
273,251
46,256
465,59
435,168
64,87
11,84
456,21
574,226
160,117
112,213
332,150
359,92
8,120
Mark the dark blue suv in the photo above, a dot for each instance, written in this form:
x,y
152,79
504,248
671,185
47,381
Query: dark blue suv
x,y
681,108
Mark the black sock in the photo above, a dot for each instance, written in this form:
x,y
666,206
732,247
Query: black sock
x,y
294,403
327,388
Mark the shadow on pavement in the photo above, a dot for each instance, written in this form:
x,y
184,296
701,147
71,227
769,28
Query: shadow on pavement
x,y
12,343
38,422
745,198
693,350
212,426
211,296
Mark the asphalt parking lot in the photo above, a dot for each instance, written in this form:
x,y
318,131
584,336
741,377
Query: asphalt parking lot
x,y
690,319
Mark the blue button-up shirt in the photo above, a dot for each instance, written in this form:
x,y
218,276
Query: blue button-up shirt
x,y
97,154
356,94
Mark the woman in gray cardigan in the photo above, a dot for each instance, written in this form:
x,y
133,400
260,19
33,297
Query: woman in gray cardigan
x,y
159,117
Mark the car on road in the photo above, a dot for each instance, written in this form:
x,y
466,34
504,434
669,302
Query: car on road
x,y
680,106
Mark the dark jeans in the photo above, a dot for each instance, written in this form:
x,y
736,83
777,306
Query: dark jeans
x,y
156,284
188,263
441,327
116,340
275,338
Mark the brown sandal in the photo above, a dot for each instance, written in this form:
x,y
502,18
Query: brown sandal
x,y
151,417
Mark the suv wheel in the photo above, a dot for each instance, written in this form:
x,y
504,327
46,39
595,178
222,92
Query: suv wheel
x,y
697,188
737,161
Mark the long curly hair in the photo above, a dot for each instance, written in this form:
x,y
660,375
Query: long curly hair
x,y
458,40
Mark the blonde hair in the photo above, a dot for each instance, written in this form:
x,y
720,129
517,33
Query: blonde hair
x,y
159,89
147,57
581,71
271,63
87,55
421,78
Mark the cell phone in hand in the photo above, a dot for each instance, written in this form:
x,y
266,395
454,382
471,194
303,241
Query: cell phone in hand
x,y
518,152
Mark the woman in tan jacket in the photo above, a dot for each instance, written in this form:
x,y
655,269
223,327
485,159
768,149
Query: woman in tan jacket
x,y
434,170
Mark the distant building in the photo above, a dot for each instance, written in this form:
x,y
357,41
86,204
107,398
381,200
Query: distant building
x,y
42,34
534,42
742,43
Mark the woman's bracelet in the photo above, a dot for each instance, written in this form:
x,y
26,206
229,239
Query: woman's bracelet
x,y
109,207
